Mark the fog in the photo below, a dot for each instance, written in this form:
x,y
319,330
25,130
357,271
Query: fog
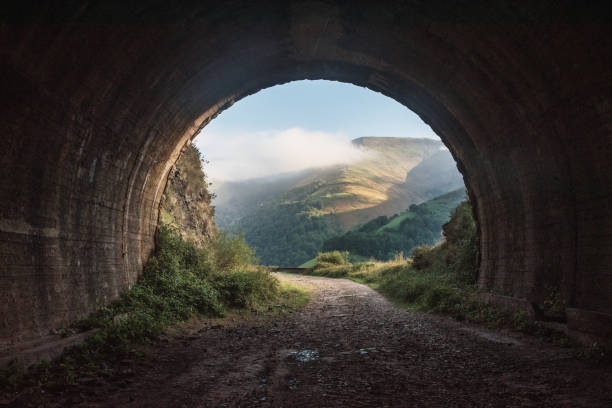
x,y
248,155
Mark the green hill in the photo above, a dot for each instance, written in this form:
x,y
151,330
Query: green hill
x,y
287,218
383,237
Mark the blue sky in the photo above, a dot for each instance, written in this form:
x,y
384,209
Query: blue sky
x,y
299,125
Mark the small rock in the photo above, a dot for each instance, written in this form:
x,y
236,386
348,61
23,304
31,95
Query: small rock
x,y
305,355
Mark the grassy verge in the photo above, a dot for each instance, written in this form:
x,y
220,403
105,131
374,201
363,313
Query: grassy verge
x,y
438,279
293,297
434,292
179,282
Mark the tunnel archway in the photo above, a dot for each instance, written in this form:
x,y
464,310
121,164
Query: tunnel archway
x,y
100,100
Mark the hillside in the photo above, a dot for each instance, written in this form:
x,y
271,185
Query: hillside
x,y
384,236
287,218
235,200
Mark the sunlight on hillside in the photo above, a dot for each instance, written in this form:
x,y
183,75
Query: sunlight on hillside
x,y
298,164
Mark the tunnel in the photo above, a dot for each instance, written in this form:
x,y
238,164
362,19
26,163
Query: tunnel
x,y
98,101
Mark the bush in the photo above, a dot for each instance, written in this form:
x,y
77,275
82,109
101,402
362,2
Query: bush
x,y
442,298
334,271
246,288
462,245
232,251
173,252
403,284
421,258
178,281
333,257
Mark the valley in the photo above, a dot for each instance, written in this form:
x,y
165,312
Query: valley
x,y
287,218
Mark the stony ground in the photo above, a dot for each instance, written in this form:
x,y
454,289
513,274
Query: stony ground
x,y
367,353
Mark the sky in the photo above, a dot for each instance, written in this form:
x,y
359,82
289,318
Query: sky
x,y
300,125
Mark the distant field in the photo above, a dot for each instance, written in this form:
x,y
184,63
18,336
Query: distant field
x,y
395,223
382,237
309,264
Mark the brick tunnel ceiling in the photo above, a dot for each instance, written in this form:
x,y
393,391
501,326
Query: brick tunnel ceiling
x,y
98,102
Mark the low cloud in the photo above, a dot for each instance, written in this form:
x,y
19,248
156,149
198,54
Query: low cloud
x,y
243,156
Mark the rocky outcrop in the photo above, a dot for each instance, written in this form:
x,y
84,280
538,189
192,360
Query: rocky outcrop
x,y
186,204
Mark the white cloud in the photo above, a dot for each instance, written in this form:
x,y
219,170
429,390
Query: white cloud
x,y
236,156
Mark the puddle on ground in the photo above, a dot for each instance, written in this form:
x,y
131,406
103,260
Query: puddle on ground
x,y
305,356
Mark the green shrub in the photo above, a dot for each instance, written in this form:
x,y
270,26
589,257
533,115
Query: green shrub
x,y
333,270
178,281
421,258
332,257
232,251
246,287
442,298
461,242
173,254
174,285
404,284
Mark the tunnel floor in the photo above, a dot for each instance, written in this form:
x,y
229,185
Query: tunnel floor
x,y
362,352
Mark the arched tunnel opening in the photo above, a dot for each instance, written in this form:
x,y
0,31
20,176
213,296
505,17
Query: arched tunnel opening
x,y
301,168
97,109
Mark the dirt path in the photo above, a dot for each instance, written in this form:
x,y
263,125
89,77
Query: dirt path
x,y
370,354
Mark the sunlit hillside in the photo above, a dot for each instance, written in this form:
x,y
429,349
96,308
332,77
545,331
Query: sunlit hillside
x,y
308,207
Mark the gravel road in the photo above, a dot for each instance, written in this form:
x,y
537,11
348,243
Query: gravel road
x,y
349,347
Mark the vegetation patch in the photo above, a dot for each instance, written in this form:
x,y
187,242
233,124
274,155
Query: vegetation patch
x,y
291,298
332,258
288,234
179,281
383,237
439,279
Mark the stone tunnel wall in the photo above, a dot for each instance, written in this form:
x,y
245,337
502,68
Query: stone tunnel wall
x,y
98,101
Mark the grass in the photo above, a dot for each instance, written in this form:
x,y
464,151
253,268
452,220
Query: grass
x,y
309,264
180,282
435,292
353,258
336,196
439,279
293,297
332,258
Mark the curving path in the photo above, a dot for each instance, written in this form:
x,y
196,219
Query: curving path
x,y
370,354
